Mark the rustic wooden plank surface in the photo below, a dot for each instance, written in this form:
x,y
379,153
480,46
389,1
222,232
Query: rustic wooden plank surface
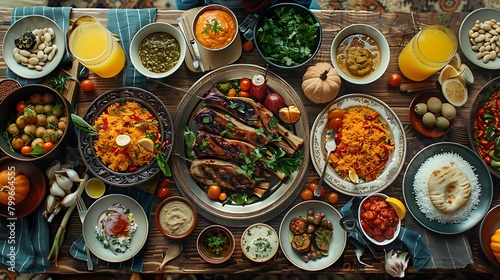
x,y
172,89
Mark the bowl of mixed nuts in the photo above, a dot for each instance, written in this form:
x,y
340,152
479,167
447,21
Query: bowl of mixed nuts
x,y
33,46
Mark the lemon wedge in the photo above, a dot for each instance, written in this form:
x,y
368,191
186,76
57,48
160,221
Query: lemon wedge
x,y
353,176
455,92
147,143
447,72
122,140
398,206
456,61
466,74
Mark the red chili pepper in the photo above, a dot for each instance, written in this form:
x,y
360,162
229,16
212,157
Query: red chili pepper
x,y
104,123
385,154
479,133
374,116
136,118
487,159
132,168
337,137
481,111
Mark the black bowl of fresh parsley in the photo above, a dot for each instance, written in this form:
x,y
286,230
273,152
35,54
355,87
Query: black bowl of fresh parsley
x,y
287,35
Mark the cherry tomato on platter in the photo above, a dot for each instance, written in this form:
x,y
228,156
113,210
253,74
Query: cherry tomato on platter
x,y
222,196
163,191
25,150
335,123
20,106
48,146
243,94
245,84
213,192
336,113
394,80
87,85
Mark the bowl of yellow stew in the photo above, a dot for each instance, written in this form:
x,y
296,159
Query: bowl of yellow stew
x,y
360,53
157,50
215,27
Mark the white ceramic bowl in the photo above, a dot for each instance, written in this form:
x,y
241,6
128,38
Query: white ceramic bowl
x,y
30,23
386,241
259,242
381,42
463,36
148,30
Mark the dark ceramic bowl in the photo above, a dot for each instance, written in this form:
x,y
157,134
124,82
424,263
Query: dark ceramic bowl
x,y
86,142
173,209
489,225
205,251
266,51
416,120
36,194
9,113
479,101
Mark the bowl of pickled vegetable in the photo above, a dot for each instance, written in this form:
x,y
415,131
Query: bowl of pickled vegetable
x,y
37,124
157,50
483,125
215,244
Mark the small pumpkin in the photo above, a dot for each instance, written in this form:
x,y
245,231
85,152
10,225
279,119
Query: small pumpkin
x,y
495,244
321,83
19,182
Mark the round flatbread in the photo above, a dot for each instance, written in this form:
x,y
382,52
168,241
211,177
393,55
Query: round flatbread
x,y
449,188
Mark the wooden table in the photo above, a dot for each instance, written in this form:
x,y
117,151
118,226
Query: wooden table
x,y
173,89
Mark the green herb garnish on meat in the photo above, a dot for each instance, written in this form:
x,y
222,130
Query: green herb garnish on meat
x,y
287,38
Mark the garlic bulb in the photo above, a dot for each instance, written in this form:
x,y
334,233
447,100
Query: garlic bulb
x,y
396,263
70,173
69,200
64,182
56,190
49,172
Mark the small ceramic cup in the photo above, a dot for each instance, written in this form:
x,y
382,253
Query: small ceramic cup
x,y
95,188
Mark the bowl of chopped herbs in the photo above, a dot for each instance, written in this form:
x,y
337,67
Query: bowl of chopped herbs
x,y
287,35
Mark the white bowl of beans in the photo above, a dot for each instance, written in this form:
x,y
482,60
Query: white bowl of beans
x,y
157,50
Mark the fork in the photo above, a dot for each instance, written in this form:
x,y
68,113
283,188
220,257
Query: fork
x,y
82,211
330,146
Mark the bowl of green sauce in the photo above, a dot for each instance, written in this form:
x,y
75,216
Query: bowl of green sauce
x,y
157,50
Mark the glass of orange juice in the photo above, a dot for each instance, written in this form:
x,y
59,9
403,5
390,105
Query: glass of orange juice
x,y
95,48
427,52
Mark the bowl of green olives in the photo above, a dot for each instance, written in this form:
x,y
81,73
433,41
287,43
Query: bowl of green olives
x,y
431,115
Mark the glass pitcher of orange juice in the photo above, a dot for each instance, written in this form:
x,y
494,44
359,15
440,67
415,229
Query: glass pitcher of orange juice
x,y
96,48
427,52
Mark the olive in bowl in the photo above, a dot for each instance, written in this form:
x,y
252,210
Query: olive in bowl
x,y
157,50
36,119
215,244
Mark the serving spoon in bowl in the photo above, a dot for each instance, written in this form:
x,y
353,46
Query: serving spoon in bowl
x,y
330,146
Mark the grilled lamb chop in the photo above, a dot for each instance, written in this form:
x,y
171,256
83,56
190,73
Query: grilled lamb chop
x,y
251,112
218,123
211,145
223,173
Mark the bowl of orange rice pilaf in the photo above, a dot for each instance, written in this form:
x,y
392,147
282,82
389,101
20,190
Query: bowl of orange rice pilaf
x,y
134,134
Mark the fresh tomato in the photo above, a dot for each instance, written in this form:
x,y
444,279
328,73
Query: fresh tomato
x,y
248,46
213,192
20,106
245,84
306,194
25,150
243,94
87,85
333,197
335,123
222,196
48,146
394,80
163,192
314,186
336,113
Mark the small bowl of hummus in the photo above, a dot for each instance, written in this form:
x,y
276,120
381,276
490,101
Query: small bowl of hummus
x,y
215,27
259,242
360,53
176,217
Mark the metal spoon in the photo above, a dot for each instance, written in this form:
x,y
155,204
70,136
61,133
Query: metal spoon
x,y
348,223
330,146
173,252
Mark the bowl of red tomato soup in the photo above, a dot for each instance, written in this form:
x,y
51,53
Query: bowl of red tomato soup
x,y
378,220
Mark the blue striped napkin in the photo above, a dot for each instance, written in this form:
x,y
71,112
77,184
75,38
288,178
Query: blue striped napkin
x,y
59,15
145,199
125,23
412,241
